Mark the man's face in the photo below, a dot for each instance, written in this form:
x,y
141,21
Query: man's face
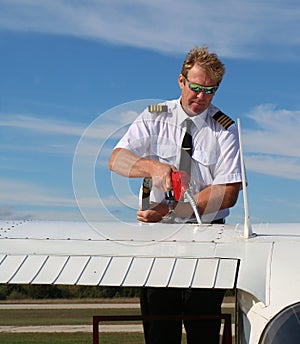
x,y
192,102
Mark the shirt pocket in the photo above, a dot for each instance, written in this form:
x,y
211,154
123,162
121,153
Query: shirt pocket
x,y
166,153
205,158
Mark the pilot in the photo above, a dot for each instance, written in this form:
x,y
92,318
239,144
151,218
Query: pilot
x,y
187,133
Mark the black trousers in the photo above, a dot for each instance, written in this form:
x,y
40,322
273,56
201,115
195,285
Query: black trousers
x,y
176,301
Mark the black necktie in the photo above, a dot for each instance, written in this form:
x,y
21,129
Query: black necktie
x,y
186,149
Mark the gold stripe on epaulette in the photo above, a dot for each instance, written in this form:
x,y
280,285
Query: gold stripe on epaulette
x,y
224,120
158,108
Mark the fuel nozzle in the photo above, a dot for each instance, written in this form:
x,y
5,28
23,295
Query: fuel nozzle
x,y
180,192
170,218
180,184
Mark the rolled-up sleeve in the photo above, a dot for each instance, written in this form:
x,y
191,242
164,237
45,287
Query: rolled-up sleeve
x,y
228,166
137,137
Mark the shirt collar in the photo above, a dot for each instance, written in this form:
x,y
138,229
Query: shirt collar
x,y
197,120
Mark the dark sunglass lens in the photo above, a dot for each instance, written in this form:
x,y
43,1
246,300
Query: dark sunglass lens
x,y
210,90
195,87
198,88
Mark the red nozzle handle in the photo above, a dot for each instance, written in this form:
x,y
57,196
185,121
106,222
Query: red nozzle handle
x,y
180,183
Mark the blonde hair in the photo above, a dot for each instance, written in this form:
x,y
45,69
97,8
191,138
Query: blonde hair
x,y
209,61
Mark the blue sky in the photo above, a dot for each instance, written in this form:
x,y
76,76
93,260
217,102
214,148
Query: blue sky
x,y
74,74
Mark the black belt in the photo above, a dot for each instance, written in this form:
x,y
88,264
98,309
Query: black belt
x,y
219,221
214,222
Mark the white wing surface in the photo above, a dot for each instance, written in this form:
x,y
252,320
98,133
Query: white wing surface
x,y
160,255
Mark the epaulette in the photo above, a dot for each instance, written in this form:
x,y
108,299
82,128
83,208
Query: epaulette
x,y
224,120
158,108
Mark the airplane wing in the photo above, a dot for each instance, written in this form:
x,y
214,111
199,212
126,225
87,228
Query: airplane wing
x,y
133,254
264,269
114,254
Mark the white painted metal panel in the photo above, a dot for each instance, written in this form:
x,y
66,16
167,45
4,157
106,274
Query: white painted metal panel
x,y
116,231
138,273
254,269
160,272
50,230
183,273
61,241
205,273
285,274
9,267
29,269
50,270
116,271
72,270
226,273
94,271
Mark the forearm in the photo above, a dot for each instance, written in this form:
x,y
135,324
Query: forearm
x,y
128,164
211,199
217,197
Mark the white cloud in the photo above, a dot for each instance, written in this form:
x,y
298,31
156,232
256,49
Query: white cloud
x,y
59,136
110,201
104,126
40,125
278,131
25,133
22,199
17,192
274,166
273,146
235,28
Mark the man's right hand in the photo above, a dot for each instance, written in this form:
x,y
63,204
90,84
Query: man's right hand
x,y
161,176
128,164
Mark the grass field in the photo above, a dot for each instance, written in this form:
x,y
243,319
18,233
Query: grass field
x,y
48,317
45,338
42,317
63,338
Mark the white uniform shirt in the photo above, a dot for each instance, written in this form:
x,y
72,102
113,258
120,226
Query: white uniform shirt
x,y
215,158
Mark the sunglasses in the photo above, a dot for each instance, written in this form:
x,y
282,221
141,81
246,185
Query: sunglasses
x,y
198,88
